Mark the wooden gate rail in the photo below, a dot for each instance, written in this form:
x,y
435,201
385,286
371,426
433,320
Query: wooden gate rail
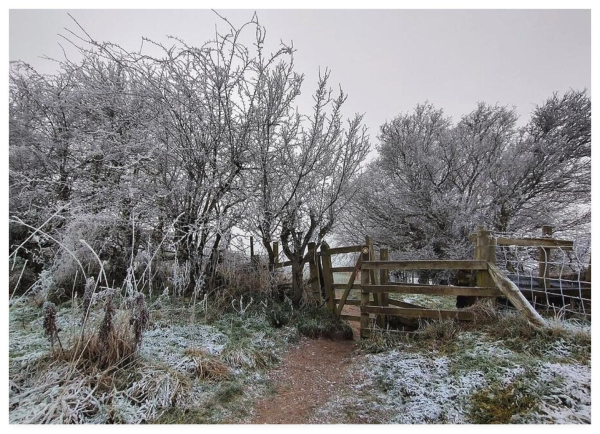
x,y
473,291
344,285
342,269
348,302
399,303
347,249
419,313
425,265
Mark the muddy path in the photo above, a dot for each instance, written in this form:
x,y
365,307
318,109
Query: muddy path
x,y
311,374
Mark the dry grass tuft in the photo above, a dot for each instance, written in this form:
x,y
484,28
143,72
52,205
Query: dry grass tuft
x,y
112,346
485,311
204,366
249,357
441,332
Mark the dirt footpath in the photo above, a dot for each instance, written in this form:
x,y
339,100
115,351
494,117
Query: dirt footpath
x,y
311,374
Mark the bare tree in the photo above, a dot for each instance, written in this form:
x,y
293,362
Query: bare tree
x,y
306,176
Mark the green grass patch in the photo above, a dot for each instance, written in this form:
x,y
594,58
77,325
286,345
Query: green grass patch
x,y
498,403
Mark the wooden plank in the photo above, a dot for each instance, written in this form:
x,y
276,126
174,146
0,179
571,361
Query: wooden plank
x,y
342,269
513,293
481,253
347,249
425,265
276,252
364,295
314,271
383,279
473,291
399,303
350,302
412,334
419,313
343,285
282,264
426,285
349,286
308,257
373,275
535,242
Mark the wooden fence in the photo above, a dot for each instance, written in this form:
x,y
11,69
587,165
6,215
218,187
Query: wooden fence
x,y
370,276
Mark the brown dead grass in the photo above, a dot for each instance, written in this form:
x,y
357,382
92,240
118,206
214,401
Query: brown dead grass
x,y
207,366
117,347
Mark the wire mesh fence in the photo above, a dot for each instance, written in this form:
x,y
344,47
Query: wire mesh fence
x,y
556,279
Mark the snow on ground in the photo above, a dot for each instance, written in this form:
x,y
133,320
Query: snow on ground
x,y
566,394
418,388
164,379
414,384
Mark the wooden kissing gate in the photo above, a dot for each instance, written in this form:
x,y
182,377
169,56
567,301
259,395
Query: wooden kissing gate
x,y
370,275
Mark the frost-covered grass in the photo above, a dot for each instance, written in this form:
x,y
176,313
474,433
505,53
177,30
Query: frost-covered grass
x,y
189,369
503,371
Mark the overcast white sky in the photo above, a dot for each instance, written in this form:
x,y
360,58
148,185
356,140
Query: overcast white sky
x,y
386,60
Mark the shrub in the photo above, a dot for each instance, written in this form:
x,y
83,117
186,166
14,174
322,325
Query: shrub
x,y
279,315
106,236
235,278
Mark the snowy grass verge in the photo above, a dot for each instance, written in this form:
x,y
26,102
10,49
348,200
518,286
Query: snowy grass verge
x,y
503,371
185,372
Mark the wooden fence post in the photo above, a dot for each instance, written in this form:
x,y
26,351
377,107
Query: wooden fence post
x,y
482,252
373,276
275,257
275,252
364,294
383,280
491,258
544,256
314,271
328,277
